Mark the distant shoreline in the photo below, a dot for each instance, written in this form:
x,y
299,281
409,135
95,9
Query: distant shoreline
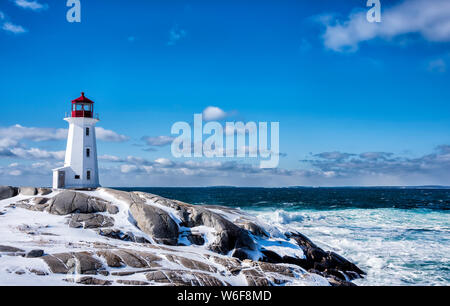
x,y
298,187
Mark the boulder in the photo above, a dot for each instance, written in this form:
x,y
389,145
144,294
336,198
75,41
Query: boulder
x,y
44,191
112,209
38,272
229,235
272,257
90,221
151,260
254,229
112,260
112,233
7,192
241,253
255,277
10,249
191,263
284,270
155,222
328,263
337,282
57,262
131,259
84,263
301,240
118,258
34,204
35,253
28,191
196,239
161,227
88,280
132,272
342,264
132,282
39,200
230,263
118,234
31,207
68,202
183,209
129,198
81,263
183,278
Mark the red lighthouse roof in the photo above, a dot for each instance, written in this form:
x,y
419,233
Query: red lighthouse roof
x,y
82,99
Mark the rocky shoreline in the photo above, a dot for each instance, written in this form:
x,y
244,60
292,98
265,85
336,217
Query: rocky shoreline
x,y
111,237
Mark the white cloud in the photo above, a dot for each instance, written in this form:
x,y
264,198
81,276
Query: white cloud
x,y
327,169
2,16
213,113
18,132
158,141
108,135
428,18
31,5
176,35
164,161
35,153
377,164
12,28
11,137
7,143
110,158
15,172
128,168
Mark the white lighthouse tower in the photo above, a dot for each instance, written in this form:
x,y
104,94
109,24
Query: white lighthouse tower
x,y
80,170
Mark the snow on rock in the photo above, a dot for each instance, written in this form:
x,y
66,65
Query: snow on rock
x,y
111,237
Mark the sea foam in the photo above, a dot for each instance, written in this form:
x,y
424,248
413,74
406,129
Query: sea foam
x,y
394,246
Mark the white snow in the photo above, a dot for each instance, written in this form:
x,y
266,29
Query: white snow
x,y
28,230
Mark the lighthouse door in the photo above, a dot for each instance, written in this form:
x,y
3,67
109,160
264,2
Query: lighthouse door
x,y
61,179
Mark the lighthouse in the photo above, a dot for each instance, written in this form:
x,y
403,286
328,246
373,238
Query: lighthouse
x,y
80,170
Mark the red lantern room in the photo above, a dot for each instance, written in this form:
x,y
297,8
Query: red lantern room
x,y
82,107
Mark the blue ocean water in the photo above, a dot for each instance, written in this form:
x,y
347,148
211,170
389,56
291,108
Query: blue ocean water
x,y
399,236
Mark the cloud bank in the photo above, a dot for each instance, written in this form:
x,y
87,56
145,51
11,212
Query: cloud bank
x,y
13,138
430,19
158,141
212,113
31,5
321,169
175,35
13,28
18,132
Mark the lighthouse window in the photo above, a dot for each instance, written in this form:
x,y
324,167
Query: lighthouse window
x,y
88,152
87,131
88,175
77,177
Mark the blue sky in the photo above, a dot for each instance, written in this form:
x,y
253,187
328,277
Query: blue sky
x,y
358,103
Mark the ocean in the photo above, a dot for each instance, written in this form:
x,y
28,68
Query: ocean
x,y
399,236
